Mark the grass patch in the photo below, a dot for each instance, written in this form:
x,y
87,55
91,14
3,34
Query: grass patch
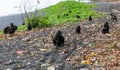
x,y
21,28
1,32
63,12
56,14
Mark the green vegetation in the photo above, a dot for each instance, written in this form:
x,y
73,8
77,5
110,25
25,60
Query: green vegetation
x,y
21,28
56,14
1,32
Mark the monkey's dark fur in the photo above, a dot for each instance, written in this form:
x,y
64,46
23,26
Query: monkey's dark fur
x,y
113,17
10,29
105,28
6,30
78,29
90,18
58,40
66,14
13,28
77,16
70,11
29,27
23,23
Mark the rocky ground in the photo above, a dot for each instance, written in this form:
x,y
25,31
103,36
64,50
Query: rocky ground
x,y
90,50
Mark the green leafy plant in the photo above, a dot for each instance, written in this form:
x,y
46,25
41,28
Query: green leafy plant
x,y
55,14
21,28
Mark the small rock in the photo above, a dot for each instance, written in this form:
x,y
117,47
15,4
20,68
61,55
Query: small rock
x,y
115,10
51,68
1,60
45,65
43,49
26,39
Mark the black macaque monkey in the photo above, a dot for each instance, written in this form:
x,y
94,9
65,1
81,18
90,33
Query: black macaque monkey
x,y
70,11
23,23
113,17
90,18
10,29
66,14
6,30
78,30
105,28
58,40
13,28
29,27
77,16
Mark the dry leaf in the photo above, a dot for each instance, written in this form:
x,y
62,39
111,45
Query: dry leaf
x,y
86,62
19,51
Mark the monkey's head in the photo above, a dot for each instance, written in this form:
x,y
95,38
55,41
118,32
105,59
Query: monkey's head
x,y
59,33
70,11
11,24
111,14
78,26
106,23
23,23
